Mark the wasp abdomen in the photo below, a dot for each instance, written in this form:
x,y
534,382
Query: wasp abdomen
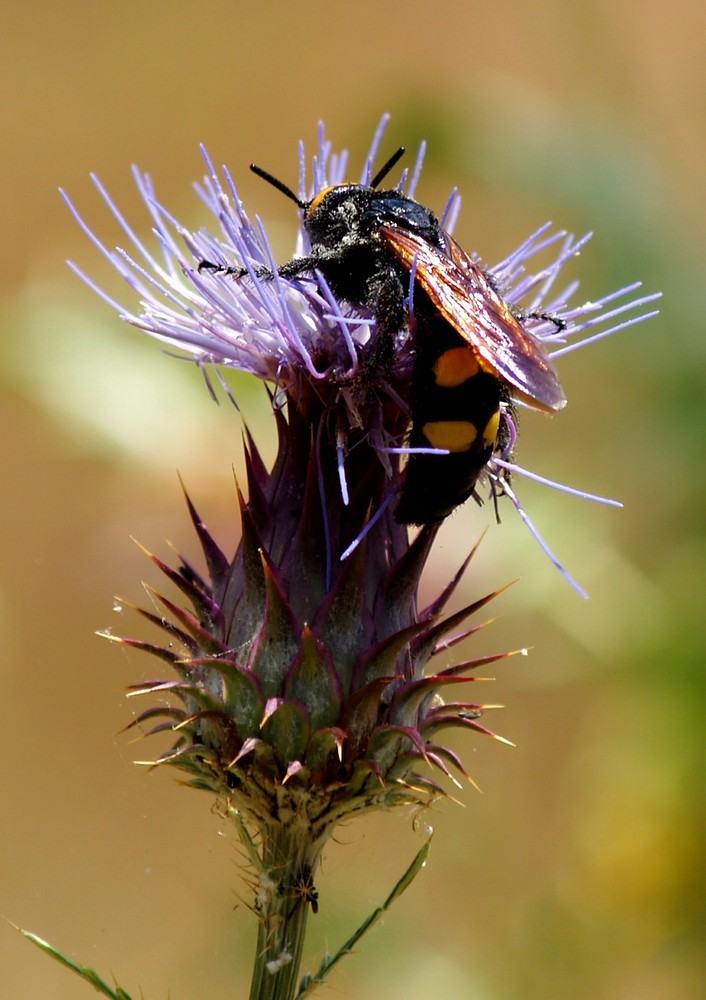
x,y
456,407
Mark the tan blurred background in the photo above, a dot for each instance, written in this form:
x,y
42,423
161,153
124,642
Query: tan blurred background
x,y
579,872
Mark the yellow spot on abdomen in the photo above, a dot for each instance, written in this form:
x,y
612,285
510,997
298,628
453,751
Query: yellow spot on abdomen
x,y
490,433
454,435
455,366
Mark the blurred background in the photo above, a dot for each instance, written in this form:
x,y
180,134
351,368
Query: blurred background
x,y
580,869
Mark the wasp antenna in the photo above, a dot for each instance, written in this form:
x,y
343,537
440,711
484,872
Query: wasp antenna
x,y
385,170
280,185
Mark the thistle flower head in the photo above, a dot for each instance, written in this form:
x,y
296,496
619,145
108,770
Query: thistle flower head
x,y
302,684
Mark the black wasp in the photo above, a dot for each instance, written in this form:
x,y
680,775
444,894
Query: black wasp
x,y
472,353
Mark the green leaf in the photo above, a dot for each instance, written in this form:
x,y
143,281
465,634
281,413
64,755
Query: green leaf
x,y
313,681
287,731
90,975
309,982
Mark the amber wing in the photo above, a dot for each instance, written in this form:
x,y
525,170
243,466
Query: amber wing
x,y
461,291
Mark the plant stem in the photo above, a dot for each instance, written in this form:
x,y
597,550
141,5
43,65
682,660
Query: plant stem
x,y
285,891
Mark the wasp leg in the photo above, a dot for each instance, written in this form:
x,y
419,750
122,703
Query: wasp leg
x,y
560,324
208,265
386,293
